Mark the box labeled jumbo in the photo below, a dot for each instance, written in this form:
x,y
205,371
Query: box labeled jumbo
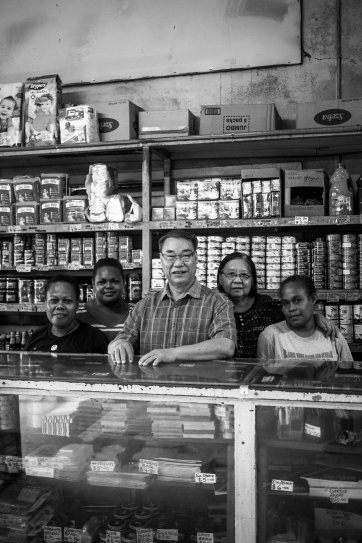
x,y
305,193
163,123
42,97
78,124
329,113
239,118
11,103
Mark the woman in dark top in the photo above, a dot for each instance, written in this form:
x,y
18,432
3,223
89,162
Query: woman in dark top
x,y
253,312
65,333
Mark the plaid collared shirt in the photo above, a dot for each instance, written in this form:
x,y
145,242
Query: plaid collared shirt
x,y
159,322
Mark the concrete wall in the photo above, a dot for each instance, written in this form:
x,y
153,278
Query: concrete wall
x,y
315,79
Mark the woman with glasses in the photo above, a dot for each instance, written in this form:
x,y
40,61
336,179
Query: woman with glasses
x,y
253,312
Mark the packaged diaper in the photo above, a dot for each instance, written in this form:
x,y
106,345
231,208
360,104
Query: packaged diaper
x,y
78,124
42,98
11,103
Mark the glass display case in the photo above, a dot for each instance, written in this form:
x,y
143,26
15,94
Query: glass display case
x,y
309,452
94,452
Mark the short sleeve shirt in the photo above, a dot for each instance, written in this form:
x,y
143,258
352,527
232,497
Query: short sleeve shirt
x,y
159,322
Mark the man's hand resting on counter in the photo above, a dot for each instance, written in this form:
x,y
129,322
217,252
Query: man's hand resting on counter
x,y
121,351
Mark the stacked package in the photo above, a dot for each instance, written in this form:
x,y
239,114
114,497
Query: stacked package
x,y
319,260
125,418
197,421
11,104
350,261
258,255
73,460
166,421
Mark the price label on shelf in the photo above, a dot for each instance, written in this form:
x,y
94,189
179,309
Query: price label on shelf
x,y
74,266
332,298
205,478
102,465
301,220
23,268
338,495
14,463
312,430
148,466
170,534
113,537
72,535
144,535
281,485
343,219
205,537
52,533
352,296
167,224
75,227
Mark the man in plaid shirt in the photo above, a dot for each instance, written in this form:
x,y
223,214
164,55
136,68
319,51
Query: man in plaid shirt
x,y
184,321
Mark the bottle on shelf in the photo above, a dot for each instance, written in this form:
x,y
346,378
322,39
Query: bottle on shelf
x,y
12,342
340,192
23,341
134,287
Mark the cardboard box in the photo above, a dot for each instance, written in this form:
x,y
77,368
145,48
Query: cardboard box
x,y
118,120
164,123
238,119
305,193
329,113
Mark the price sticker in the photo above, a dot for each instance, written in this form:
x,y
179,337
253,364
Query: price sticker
x,y
332,298
204,537
148,466
144,535
167,224
170,534
352,296
113,537
301,220
23,268
14,464
102,465
205,478
312,430
72,535
281,485
338,495
75,227
75,266
343,219
52,533
113,226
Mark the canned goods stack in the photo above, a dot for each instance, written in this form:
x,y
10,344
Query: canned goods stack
x,y
214,257
2,290
346,321
40,243
201,268
350,261
273,262
335,261
157,275
7,254
258,255
243,244
357,322
19,248
51,250
360,258
228,246
288,258
11,294
303,258
319,259
26,291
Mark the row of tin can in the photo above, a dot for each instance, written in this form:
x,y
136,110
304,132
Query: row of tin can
x,y
347,316
22,291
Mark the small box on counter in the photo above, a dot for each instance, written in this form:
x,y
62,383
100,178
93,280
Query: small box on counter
x,y
329,113
51,211
6,192
238,118
209,189
208,210
26,189
6,215
137,256
169,213
305,193
53,186
157,213
186,190
78,124
74,209
186,210
26,214
165,123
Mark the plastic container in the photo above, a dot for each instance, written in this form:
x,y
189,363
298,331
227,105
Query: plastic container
x,y
340,192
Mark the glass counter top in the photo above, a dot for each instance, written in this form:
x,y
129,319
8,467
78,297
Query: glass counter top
x,y
89,368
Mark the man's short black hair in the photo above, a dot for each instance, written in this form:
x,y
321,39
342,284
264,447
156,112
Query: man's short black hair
x,y
179,234
62,278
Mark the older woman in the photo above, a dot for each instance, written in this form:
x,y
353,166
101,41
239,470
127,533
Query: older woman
x,y
298,337
253,311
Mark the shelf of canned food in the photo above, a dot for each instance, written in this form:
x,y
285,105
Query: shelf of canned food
x,y
68,227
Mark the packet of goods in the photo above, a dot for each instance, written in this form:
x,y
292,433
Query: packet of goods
x,y
122,207
42,96
11,103
100,183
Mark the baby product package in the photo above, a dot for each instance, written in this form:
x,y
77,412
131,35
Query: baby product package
x,y
78,124
11,103
42,98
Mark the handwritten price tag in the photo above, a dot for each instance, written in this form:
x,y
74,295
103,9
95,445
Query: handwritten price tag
x,y
52,533
167,535
205,478
148,466
14,464
205,537
281,485
144,535
338,495
301,220
72,535
343,219
113,537
312,430
102,465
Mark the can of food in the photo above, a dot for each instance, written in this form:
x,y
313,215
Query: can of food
x,y
347,331
332,312
357,330
289,239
